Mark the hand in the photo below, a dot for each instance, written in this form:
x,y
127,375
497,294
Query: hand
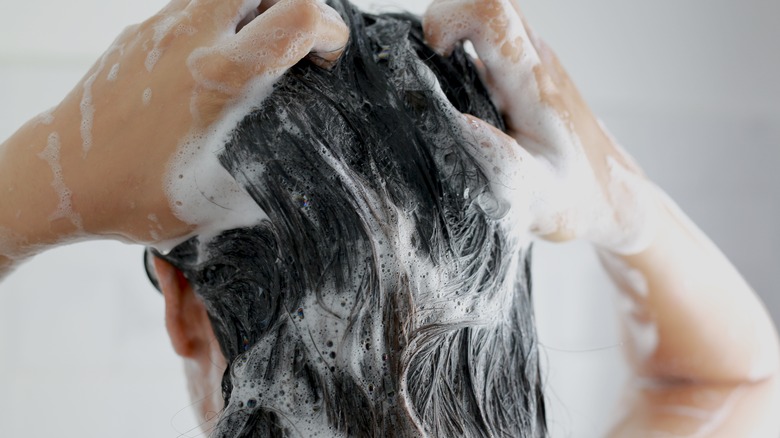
x,y
132,148
567,177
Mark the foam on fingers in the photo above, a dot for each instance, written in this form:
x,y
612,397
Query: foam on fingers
x,y
516,178
290,30
200,190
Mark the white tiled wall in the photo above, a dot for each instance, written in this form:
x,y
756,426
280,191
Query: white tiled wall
x,y
689,87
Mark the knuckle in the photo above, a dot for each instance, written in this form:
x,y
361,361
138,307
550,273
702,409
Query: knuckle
x,y
215,71
308,14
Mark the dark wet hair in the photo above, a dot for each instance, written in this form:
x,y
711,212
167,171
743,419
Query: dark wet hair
x,y
379,298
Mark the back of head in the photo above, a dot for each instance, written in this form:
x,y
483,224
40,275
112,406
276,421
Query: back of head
x,y
380,298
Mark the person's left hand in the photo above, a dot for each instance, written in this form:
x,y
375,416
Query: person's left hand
x,y
567,178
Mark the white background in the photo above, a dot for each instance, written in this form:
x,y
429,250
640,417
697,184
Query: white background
x,y
690,88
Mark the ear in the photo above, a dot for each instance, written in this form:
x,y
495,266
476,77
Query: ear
x,y
185,314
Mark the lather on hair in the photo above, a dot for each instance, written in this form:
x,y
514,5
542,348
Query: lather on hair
x,y
380,298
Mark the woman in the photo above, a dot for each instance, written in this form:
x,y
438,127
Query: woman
x,y
567,152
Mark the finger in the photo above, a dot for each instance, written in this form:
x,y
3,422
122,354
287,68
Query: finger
x,y
498,155
269,45
290,30
519,82
444,24
493,25
296,28
266,4
225,14
499,38
517,179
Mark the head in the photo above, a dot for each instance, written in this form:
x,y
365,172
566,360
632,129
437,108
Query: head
x,y
378,298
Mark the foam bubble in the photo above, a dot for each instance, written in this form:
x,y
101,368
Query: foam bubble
x,y
637,216
147,96
155,227
64,210
628,278
161,29
439,287
200,191
86,105
151,59
46,117
711,419
113,72
192,62
183,29
642,330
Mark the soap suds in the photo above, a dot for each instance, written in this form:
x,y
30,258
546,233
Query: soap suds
x,y
46,117
201,192
637,214
709,419
87,108
147,96
155,227
642,330
625,276
113,72
632,299
51,154
443,294
569,200
183,29
161,29
86,105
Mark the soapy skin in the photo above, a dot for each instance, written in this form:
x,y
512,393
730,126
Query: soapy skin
x,y
576,193
711,367
122,129
704,350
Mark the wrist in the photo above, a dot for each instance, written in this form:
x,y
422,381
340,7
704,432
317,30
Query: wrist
x,y
29,178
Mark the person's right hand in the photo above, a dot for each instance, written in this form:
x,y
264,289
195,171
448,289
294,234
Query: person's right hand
x,y
153,97
560,172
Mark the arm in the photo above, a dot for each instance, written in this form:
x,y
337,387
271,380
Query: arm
x,y
5,266
101,163
704,350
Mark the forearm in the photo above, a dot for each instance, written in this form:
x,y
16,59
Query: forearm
x,y
5,266
36,202
689,315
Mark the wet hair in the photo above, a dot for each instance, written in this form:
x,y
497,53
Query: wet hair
x,y
380,297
